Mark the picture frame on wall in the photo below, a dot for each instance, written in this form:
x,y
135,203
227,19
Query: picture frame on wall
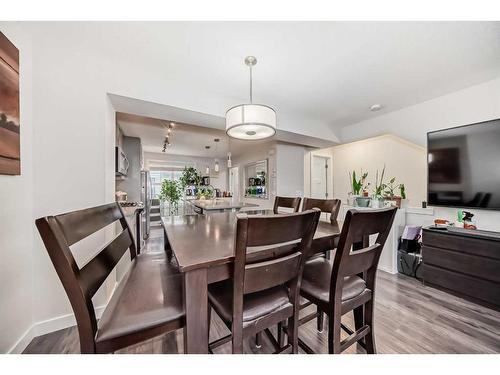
x,y
10,149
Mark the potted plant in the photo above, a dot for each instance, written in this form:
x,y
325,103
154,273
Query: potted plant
x,y
390,192
190,177
402,193
171,192
378,199
205,193
357,185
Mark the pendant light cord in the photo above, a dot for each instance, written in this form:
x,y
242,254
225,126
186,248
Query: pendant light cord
x,y
251,91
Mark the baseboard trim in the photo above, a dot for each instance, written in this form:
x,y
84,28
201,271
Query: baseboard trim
x,y
47,326
22,342
60,322
388,270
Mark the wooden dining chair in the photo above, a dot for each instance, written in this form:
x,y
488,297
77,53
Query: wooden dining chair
x,y
147,301
265,292
348,283
331,207
286,202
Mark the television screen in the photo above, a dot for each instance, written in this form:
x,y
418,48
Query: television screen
x,y
464,166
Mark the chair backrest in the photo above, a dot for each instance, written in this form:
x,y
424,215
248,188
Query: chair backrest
x,y
330,206
287,202
267,234
59,233
355,255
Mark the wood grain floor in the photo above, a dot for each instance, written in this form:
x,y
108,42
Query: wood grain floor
x,y
409,318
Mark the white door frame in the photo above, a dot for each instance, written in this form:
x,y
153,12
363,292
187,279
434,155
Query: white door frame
x,y
329,174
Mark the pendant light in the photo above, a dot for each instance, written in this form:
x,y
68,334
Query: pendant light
x,y
207,168
216,164
229,162
251,121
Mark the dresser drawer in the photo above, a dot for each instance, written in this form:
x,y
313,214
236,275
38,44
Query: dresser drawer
x,y
483,268
478,289
463,244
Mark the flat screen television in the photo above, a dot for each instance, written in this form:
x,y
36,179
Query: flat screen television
x,y
464,166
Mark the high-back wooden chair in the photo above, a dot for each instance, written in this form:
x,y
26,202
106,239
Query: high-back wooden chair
x,y
287,202
349,283
329,206
266,292
134,312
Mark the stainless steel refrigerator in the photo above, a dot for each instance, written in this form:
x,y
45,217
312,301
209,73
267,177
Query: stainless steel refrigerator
x,y
146,197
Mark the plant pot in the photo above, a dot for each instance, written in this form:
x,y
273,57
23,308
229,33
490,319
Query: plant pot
x,y
395,200
363,201
377,202
351,200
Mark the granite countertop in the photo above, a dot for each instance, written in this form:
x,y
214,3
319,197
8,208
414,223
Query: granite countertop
x,y
220,204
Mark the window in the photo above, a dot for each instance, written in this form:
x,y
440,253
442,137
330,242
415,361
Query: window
x,y
158,176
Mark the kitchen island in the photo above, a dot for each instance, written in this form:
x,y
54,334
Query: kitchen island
x,y
205,206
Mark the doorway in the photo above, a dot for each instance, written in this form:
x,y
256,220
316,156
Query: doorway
x,y
320,177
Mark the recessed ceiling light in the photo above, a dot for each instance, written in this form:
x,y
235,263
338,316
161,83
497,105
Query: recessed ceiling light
x,y
376,107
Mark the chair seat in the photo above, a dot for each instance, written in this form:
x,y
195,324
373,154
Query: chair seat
x,y
255,305
316,282
148,300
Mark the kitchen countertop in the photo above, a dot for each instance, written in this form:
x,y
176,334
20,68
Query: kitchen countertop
x,y
220,204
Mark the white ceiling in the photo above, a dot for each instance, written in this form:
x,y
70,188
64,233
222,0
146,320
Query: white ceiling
x,y
186,139
333,71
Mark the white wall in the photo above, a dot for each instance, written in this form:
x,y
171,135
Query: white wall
x,y
290,170
16,219
403,160
474,104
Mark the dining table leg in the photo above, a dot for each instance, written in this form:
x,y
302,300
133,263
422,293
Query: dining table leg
x,y
196,306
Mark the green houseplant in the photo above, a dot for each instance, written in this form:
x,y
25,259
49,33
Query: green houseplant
x,y
190,176
402,191
378,198
171,192
205,193
390,192
357,185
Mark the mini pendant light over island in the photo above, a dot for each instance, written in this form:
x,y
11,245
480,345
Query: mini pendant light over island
x,y
216,163
251,121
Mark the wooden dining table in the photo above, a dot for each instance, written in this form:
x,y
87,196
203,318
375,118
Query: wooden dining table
x,y
203,246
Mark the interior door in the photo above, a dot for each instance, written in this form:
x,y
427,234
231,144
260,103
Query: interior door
x,y
319,177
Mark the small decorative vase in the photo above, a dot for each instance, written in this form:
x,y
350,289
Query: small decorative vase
x,y
377,202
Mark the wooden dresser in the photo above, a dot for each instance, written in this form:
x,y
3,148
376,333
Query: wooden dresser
x,y
465,262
